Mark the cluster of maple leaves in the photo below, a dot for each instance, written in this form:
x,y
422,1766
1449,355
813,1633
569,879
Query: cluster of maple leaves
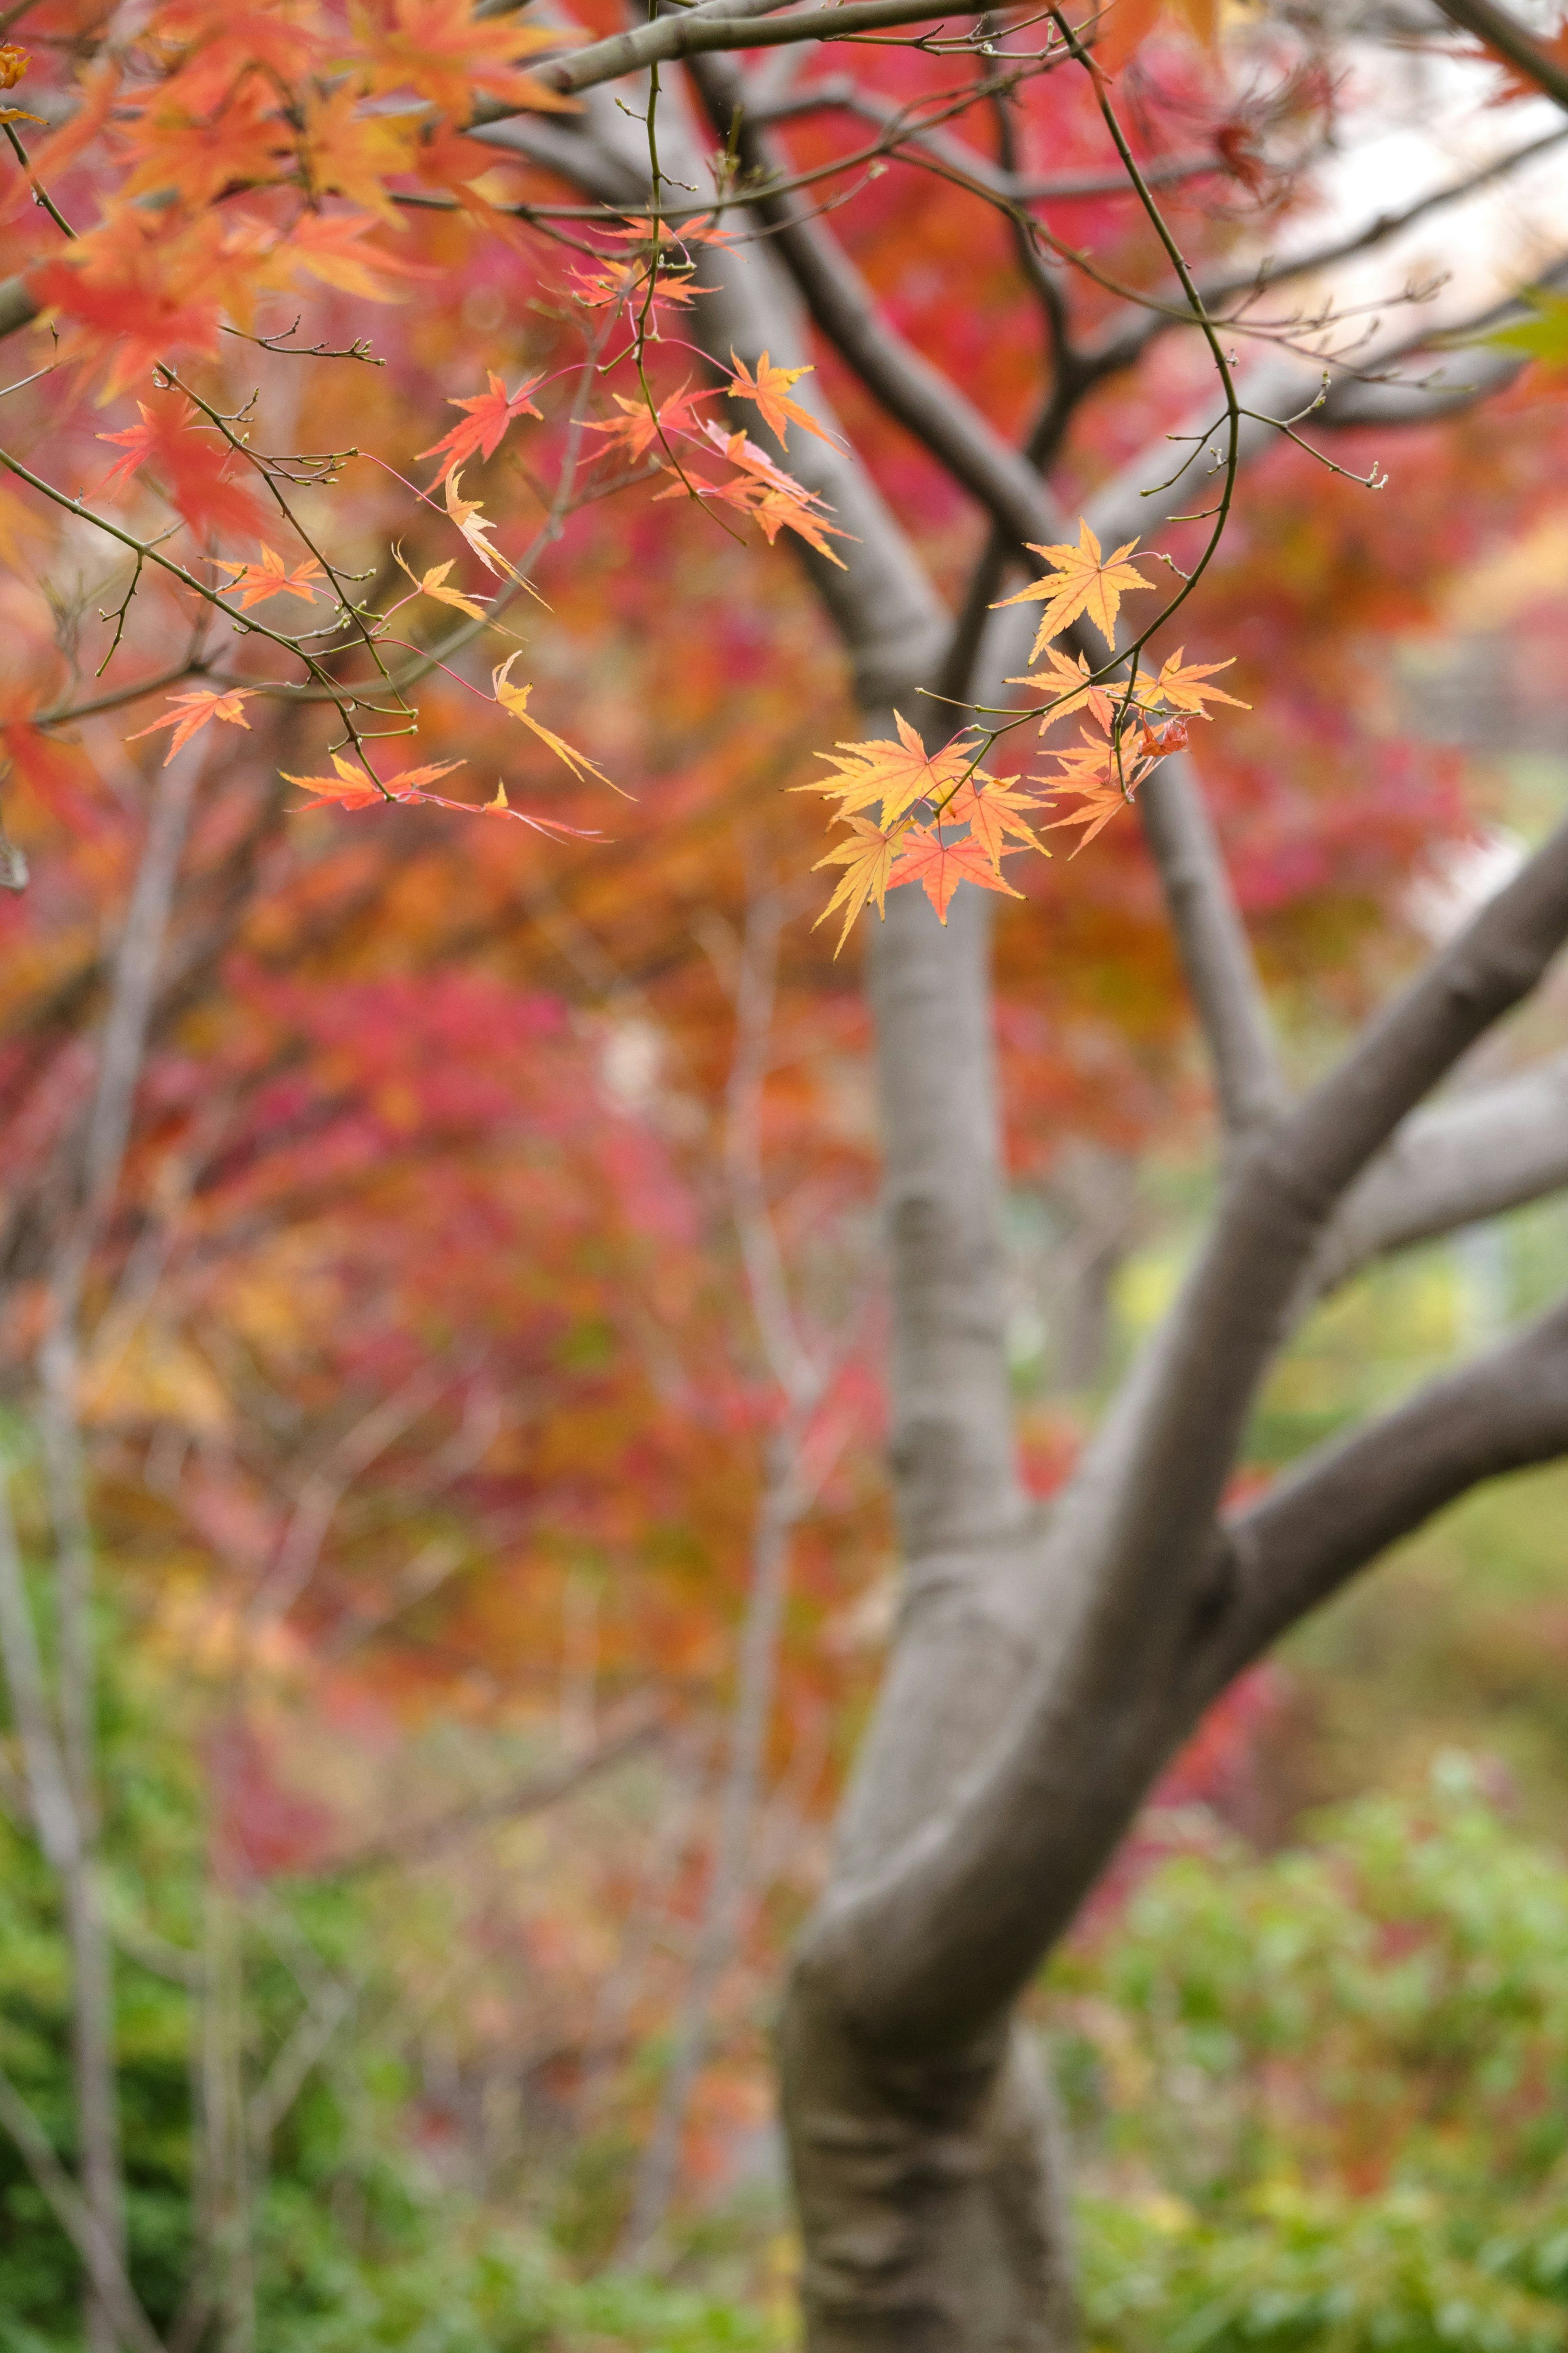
x,y
248,150
943,820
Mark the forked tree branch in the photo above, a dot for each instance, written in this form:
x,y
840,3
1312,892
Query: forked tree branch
x,y
942,1939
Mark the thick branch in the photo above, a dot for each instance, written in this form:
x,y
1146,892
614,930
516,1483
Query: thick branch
x,y
1461,1161
1350,1500
696,34
937,1944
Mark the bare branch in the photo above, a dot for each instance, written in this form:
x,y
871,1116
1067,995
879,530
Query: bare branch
x,y
1499,31
1349,1500
65,2202
420,1842
1474,1158
1213,947
696,33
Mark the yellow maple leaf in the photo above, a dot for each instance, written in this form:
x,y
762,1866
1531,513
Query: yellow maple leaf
x,y
1184,689
514,700
897,774
1085,582
468,516
869,854
346,152
1063,682
433,584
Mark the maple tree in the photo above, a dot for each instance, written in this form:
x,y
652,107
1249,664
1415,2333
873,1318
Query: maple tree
x,y
407,1154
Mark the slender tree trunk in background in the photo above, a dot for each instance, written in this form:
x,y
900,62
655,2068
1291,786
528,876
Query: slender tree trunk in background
x,y
718,1935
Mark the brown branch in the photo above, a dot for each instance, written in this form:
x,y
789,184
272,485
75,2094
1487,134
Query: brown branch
x,y
420,1842
1496,29
1347,1501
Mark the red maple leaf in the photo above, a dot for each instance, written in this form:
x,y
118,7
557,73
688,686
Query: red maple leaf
x,y
485,424
193,466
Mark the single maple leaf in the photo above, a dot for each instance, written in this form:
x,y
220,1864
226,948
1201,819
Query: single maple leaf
x,y
329,246
253,584
441,49
897,774
1127,24
138,441
187,712
939,867
433,584
353,788
627,281
467,514
639,426
1063,682
1086,581
770,389
514,699
196,156
1184,690
870,853
194,467
345,151
502,807
485,424
1101,802
992,815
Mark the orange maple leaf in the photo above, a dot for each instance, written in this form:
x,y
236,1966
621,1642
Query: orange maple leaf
x,y
354,787
514,700
345,151
433,584
897,774
187,712
627,281
992,815
1129,23
329,246
1063,682
765,492
869,853
243,141
1184,689
639,426
1100,802
939,867
146,284
440,49
253,584
770,389
488,416
1085,582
